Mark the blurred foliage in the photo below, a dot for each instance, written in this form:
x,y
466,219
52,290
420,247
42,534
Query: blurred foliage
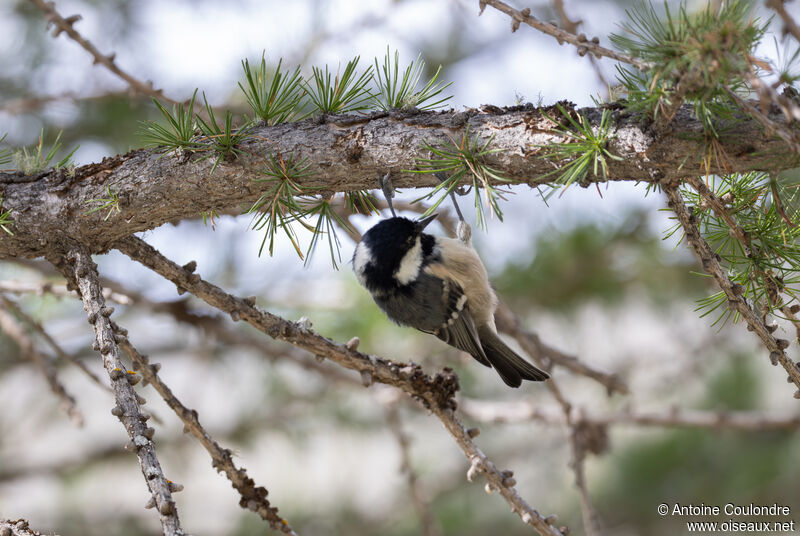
x,y
738,467
604,264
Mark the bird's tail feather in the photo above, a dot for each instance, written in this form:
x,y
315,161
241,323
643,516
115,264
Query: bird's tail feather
x,y
511,366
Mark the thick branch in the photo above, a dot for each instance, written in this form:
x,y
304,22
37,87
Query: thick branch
x,y
78,267
436,393
347,153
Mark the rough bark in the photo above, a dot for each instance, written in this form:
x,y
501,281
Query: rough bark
x,y
348,153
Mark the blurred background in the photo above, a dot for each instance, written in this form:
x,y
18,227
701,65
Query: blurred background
x,y
589,272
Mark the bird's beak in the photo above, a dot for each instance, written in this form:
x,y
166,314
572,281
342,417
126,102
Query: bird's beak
x,y
422,223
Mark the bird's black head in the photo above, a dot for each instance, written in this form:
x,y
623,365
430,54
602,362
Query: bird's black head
x,y
390,254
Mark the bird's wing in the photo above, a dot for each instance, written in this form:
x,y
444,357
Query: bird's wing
x,y
458,329
437,306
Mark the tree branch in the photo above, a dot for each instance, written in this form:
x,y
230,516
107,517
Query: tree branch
x,y
78,267
516,412
215,327
58,290
345,151
427,520
436,393
718,207
581,42
736,301
789,24
572,27
771,126
19,527
60,352
11,327
253,498
508,322
67,26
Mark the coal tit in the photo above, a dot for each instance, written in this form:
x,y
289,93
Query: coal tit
x,y
439,286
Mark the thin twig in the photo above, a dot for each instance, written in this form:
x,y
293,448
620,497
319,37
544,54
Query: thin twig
x,y
28,104
427,520
508,322
584,45
80,270
14,329
789,24
503,412
578,439
589,515
58,290
772,127
253,497
60,352
718,207
435,393
215,326
572,27
736,301
66,25
180,311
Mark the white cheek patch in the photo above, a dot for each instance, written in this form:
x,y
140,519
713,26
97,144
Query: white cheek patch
x,y
409,266
360,261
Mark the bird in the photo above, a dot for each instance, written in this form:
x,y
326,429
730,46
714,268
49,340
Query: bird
x,y
437,285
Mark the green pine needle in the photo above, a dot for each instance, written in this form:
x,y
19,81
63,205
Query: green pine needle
x,y
361,202
339,94
327,221
222,140
274,98
35,159
5,216
464,159
279,207
179,132
110,203
209,217
7,154
767,209
585,156
696,57
396,90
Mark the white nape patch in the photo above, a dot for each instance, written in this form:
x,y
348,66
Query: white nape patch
x,y
409,266
360,261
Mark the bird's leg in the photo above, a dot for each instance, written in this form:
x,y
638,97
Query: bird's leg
x,y
464,231
385,183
